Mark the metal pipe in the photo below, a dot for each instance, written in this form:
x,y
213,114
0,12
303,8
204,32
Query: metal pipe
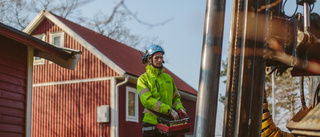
x,y
237,20
245,85
210,69
115,113
273,99
306,15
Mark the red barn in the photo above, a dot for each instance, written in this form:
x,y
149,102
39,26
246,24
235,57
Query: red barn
x,y
16,64
99,98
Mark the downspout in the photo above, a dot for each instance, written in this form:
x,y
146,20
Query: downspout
x,y
29,92
115,112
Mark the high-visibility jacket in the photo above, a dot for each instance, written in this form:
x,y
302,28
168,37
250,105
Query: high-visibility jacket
x,y
158,93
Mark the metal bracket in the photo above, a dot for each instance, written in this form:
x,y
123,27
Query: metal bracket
x,y
300,2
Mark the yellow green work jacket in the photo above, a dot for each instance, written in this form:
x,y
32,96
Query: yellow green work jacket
x,y
157,93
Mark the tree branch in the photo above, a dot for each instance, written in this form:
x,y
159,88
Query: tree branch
x,y
143,22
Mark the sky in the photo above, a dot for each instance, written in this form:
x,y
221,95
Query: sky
x,y
183,35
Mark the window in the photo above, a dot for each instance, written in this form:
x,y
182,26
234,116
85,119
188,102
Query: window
x,y
132,106
57,39
38,60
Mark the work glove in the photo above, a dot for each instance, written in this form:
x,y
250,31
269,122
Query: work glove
x,y
174,114
182,113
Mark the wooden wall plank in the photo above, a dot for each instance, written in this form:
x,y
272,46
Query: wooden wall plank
x,y
12,111
10,134
12,95
12,71
11,120
12,103
12,79
11,128
12,88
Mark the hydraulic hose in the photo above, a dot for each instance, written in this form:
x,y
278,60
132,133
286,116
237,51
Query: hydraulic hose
x,y
268,128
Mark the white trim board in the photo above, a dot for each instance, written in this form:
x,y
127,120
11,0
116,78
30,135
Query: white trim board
x,y
72,81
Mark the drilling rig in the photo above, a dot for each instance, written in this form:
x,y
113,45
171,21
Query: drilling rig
x,y
253,23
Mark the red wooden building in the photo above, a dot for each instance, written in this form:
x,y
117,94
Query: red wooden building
x,y
17,51
65,103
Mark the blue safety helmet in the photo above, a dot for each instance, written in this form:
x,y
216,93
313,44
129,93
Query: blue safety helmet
x,y
150,51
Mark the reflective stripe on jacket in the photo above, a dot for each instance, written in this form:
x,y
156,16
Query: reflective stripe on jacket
x,y
157,92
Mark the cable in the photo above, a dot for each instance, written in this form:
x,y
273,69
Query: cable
x,y
316,98
311,8
268,127
284,3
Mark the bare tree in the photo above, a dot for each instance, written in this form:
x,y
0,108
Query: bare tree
x,y
113,25
287,96
16,14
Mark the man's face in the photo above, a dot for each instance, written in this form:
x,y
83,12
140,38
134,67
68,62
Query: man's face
x,y
157,59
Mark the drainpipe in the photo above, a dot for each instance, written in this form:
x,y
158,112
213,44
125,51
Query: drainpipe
x,y
115,113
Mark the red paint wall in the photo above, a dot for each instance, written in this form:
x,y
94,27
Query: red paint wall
x,y
128,129
13,66
88,66
190,106
69,109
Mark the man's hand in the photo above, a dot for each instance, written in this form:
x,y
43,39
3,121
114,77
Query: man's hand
x,y
174,114
182,113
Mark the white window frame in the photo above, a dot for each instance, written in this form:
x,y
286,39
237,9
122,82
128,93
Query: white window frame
x,y
136,117
42,60
55,34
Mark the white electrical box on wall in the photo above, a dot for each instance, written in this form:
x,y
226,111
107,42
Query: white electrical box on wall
x,y
103,114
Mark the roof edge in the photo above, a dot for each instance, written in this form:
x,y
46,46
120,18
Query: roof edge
x,y
70,63
188,96
35,22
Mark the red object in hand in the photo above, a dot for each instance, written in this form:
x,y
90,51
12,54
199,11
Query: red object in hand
x,y
182,113
174,114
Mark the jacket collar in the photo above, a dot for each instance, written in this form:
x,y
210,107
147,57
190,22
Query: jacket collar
x,y
154,71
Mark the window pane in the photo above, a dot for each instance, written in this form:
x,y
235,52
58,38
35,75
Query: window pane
x,y
131,105
56,41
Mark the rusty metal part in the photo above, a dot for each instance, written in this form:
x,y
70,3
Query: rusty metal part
x,y
309,125
245,80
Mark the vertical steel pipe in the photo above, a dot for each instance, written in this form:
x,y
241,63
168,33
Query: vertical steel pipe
x,y
232,85
210,69
306,19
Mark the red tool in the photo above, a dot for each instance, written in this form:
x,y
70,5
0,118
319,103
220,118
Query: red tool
x,y
173,127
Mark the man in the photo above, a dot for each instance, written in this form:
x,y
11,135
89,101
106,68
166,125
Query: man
x,y
157,92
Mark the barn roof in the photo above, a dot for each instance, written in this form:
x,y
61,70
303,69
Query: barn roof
x,y
122,58
63,57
